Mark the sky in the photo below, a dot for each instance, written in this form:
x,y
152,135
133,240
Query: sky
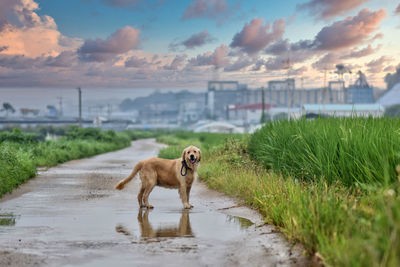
x,y
164,44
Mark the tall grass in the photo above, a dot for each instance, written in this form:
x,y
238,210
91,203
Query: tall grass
x,y
352,151
343,227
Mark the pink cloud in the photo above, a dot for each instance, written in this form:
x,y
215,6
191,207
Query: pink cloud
x,y
376,66
121,41
327,9
327,62
218,58
361,52
198,39
65,59
32,35
5,9
255,36
176,63
135,62
350,31
241,63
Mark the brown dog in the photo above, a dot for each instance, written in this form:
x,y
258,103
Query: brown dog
x,y
177,173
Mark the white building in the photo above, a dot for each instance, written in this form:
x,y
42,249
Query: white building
x,y
391,97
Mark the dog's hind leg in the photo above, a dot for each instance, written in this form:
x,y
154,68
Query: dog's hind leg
x,y
149,187
140,195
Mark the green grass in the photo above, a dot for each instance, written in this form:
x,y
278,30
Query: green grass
x,y
352,151
21,153
348,228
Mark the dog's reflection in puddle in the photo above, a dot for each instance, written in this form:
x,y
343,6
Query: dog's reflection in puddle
x,y
147,231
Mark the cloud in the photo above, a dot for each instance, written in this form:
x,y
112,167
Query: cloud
x,y
390,68
258,65
65,59
218,58
327,9
350,31
240,63
299,71
16,62
327,62
198,39
276,63
205,9
5,9
176,63
24,32
376,66
353,31
135,62
121,41
255,36
361,53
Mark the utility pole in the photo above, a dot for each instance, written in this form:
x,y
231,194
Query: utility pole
x,y
263,119
80,106
61,105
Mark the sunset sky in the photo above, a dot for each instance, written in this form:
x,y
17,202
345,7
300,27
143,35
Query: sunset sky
x,y
182,44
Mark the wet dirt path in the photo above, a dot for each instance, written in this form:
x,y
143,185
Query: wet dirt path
x,y
70,215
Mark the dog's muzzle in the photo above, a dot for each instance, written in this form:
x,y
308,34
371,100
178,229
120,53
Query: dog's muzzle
x,y
192,159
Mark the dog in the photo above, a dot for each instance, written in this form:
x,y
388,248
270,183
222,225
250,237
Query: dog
x,y
178,173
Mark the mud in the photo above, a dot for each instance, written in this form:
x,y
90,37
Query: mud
x,y
71,215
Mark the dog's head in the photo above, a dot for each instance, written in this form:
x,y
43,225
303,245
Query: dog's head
x,y
191,155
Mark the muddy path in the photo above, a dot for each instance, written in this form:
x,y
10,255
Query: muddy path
x,y
70,215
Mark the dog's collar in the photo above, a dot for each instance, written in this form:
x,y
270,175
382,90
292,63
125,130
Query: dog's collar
x,y
184,164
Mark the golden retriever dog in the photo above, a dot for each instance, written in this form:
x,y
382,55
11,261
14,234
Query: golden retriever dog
x,y
178,173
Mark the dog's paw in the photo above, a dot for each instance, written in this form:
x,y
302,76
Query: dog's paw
x,y
150,206
188,206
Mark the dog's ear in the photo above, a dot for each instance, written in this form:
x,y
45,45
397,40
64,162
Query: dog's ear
x,y
183,154
199,155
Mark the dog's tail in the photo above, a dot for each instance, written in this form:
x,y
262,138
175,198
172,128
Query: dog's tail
x,y
121,184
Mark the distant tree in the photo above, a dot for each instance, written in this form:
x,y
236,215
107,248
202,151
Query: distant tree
x,y
340,70
7,107
126,104
392,79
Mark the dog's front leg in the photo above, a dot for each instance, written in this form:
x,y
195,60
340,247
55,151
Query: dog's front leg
x,y
188,194
184,196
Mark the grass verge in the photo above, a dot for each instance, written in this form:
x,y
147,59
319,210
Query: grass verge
x,y
346,228
21,153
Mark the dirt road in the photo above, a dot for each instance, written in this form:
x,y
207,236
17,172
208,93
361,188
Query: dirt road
x,y
70,215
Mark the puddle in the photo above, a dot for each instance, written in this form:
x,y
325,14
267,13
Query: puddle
x,y
168,230
155,226
243,222
7,219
